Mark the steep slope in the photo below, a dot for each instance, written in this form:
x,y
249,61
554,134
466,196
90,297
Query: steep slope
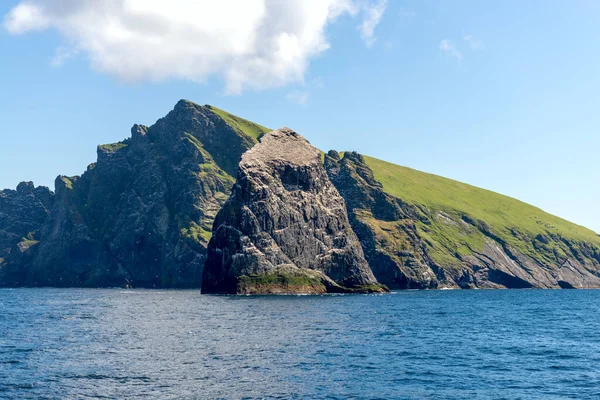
x,y
385,226
452,234
243,126
142,214
284,229
22,214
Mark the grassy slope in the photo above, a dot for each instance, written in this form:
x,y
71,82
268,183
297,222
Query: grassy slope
x,y
244,126
515,222
503,214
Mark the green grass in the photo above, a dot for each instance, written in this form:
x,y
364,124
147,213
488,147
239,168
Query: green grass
x,y
281,281
278,278
67,181
241,125
196,233
28,242
112,147
504,215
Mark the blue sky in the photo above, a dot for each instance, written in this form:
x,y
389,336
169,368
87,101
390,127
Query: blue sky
x,y
501,95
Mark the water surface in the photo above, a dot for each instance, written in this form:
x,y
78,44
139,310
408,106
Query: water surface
x,y
143,344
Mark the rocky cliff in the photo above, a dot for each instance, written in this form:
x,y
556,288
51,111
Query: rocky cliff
x,y
145,215
385,226
142,214
284,227
423,231
22,214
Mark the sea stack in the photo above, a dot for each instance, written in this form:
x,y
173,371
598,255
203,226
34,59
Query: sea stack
x,y
285,228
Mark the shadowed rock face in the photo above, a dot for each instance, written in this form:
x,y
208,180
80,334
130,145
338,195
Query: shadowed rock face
x,y
142,214
22,214
384,226
286,225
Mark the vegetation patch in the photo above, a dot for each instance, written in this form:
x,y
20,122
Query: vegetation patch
x,y
113,147
368,289
243,126
507,220
67,181
281,281
208,168
196,233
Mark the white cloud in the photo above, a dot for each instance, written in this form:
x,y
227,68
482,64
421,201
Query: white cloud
x,y
251,44
474,44
449,48
25,17
373,15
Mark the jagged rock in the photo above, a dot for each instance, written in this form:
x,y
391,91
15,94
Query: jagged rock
x,y
396,240
22,213
383,225
284,227
142,214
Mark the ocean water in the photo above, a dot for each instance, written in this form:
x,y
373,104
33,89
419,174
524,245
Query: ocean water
x,y
144,344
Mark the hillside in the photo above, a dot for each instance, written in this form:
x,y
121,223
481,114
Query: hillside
x,y
243,126
453,234
519,224
143,215
442,193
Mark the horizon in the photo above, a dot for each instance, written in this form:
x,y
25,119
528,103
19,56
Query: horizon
x,y
480,97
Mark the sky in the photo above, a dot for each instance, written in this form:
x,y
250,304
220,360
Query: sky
x,y
500,95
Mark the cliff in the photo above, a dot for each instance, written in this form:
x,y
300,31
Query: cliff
x,y
285,227
22,214
142,214
424,231
157,207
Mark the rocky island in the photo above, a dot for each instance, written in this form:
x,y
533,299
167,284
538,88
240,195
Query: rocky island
x,y
205,199
284,228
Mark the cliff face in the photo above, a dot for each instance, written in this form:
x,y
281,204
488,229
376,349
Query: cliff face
x,y
384,225
284,228
22,214
142,214
420,244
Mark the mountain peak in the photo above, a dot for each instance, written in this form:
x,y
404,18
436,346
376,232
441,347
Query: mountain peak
x,y
25,187
283,144
183,104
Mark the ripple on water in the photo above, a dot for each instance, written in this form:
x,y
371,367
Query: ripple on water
x,y
179,344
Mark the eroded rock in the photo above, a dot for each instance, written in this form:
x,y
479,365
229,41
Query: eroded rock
x,y
284,222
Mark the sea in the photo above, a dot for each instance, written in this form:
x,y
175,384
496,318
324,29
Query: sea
x,y
163,344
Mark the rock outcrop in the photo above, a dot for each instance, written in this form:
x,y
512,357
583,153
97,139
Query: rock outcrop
x,y
158,207
416,246
141,215
22,214
384,225
284,228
